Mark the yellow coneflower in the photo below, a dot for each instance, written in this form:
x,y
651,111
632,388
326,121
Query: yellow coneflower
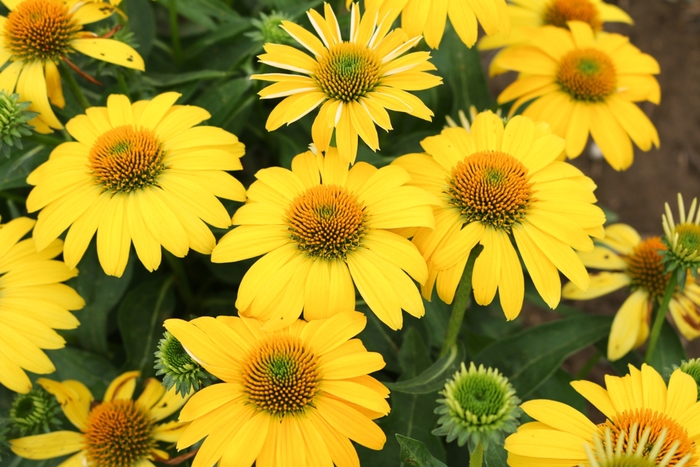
x,y
33,303
322,227
580,84
627,260
116,431
37,35
141,173
293,397
353,81
528,14
429,17
647,425
502,188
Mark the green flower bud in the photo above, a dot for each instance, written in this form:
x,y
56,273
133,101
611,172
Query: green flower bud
x,y
480,407
692,367
178,367
683,241
13,122
34,413
269,30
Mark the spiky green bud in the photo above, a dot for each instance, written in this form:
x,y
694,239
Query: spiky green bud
x,y
269,30
480,407
682,241
178,367
13,122
34,413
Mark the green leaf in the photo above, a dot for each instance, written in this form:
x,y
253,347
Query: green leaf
x,y
416,454
173,79
531,357
142,22
14,170
669,351
93,370
466,76
377,338
558,388
101,294
433,378
221,100
495,456
140,318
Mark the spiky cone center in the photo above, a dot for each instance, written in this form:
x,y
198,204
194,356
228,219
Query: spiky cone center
x,y
559,12
587,75
40,30
687,242
326,221
125,158
490,187
692,368
651,434
645,267
33,412
347,71
610,450
119,433
281,376
174,358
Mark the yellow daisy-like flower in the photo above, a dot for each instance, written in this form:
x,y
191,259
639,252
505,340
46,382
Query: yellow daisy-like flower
x,y
647,424
322,227
528,14
294,397
428,17
582,84
141,172
503,187
355,80
33,303
37,35
117,431
630,261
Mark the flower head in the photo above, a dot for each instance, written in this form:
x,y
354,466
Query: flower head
x,y
303,392
480,407
33,303
502,186
647,424
34,412
37,35
628,260
682,240
115,432
692,368
353,81
178,368
322,227
528,15
14,118
269,28
141,173
428,17
585,84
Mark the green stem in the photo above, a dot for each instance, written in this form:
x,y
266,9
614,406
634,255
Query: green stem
x,y
75,89
44,140
476,457
660,317
461,302
183,286
13,197
590,364
122,84
175,32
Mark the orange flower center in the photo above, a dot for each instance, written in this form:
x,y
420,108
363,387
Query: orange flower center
x,y
655,433
118,434
40,30
281,376
490,187
347,71
327,222
587,75
645,268
558,12
125,159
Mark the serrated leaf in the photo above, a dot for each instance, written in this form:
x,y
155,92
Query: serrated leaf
x,y
433,378
416,454
140,319
531,357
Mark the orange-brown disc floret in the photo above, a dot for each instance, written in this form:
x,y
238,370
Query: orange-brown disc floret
x,y
490,187
347,71
558,12
587,75
645,268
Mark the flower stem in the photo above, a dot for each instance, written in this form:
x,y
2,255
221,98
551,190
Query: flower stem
x,y
660,317
183,286
461,302
123,87
476,457
175,32
67,75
